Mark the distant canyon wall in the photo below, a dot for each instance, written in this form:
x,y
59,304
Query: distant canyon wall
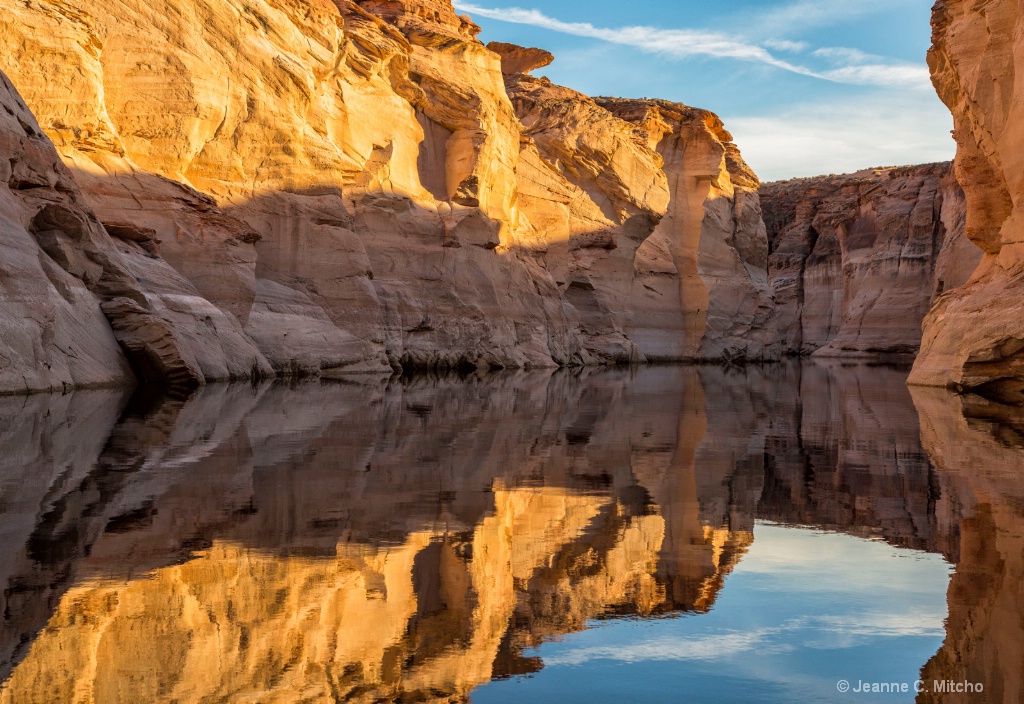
x,y
856,260
334,186
974,336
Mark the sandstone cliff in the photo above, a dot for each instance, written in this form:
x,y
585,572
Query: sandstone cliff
x,y
347,185
856,260
973,336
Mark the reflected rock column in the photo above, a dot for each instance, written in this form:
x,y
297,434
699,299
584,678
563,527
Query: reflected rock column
x,y
978,449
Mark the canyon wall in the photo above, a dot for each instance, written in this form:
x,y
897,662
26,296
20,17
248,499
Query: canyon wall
x,y
974,336
856,260
342,186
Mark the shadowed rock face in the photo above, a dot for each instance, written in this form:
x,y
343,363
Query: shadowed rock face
x,y
347,185
398,541
973,335
55,335
856,260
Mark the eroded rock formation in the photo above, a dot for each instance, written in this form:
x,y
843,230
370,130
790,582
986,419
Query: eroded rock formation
x,y
856,260
974,335
346,186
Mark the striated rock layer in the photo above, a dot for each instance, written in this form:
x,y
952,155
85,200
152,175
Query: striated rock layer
x,y
974,336
355,185
856,260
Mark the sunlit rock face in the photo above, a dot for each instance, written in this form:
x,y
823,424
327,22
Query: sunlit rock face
x,y
978,448
71,289
650,222
714,236
399,541
857,260
973,335
347,186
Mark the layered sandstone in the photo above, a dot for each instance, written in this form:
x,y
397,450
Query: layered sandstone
x,y
347,186
974,335
856,260
652,224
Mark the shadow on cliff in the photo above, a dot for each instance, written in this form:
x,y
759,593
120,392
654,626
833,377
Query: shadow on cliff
x,y
340,276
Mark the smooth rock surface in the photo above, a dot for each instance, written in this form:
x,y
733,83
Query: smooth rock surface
x,y
72,292
54,335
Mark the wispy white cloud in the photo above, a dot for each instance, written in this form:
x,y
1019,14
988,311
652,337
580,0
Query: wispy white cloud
x,y
818,632
687,43
676,43
801,15
895,75
844,54
879,129
711,648
785,45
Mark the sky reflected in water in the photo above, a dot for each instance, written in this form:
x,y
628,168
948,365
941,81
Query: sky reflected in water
x,y
802,611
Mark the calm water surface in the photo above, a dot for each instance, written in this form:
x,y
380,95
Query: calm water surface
x,y
653,535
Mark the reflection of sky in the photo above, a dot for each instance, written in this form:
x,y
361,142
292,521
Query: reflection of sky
x,y
801,611
807,87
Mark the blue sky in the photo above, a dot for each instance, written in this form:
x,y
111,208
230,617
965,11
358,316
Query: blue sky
x,y
806,86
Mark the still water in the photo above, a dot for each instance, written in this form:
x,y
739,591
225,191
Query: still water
x,y
647,535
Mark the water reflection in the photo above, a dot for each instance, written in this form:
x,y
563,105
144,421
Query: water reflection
x,y
411,540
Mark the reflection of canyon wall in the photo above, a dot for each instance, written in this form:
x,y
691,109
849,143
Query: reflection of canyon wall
x,y
974,336
410,540
844,454
337,183
856,260
980,447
